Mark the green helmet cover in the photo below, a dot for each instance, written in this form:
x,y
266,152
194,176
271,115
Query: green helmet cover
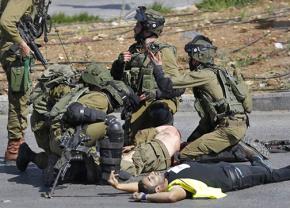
x,y
96,74
151,20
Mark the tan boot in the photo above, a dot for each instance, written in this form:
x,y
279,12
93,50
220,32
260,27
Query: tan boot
x,y
11,152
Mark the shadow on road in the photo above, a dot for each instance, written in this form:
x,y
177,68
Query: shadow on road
x,y
32,176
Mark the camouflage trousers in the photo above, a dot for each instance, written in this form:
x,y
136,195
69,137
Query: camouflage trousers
x,y
151,155
227,134
18,99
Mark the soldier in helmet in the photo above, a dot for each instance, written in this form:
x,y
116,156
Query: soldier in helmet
x,y
223,110
134,68
86,104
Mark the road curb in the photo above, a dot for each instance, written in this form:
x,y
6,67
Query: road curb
x,y
261,102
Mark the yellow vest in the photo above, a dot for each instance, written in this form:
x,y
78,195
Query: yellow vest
x,y
197,188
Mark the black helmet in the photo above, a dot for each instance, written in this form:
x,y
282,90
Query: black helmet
x,y
201,49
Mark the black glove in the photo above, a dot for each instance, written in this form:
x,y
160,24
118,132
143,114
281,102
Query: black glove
x,y
131,100
77,114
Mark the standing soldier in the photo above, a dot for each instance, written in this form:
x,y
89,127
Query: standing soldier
x,y
16,66
134,68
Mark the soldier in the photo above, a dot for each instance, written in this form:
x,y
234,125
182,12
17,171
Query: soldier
x,y
152,151
86,106
221,102
16,68
134,68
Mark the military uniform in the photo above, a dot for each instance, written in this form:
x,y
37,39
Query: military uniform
x,y
11,13
211,136
223,115
138,74
149,154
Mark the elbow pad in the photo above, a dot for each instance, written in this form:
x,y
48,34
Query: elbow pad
x,y
77,114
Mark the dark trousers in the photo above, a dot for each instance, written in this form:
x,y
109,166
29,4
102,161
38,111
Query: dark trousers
x,y
239,176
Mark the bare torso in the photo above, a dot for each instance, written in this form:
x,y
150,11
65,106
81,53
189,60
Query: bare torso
x,y
170,137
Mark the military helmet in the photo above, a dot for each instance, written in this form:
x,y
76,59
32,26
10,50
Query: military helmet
x,y
96,74
58,74
151,20
201,49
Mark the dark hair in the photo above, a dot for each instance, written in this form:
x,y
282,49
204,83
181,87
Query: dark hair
x,y
145,189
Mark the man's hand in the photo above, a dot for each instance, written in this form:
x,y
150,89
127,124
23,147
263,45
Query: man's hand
x,y
113,181
155,58
139,196
25,50
126,56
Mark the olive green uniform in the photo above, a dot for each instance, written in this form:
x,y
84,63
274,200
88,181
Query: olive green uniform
x,y
138,74
149,154
12,11
212,134
48,132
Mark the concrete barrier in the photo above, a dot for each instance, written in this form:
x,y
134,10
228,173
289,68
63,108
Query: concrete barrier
x,y
261,102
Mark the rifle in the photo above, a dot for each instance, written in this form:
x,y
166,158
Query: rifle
x,y
28,33
42,20
74,149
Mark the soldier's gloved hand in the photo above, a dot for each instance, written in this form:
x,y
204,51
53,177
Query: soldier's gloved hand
x,y
131,100
110,119
77,114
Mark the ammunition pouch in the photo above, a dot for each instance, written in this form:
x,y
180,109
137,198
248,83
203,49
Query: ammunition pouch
x,y
20,76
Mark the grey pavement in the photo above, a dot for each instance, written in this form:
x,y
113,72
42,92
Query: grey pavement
x,y
109,9
24,189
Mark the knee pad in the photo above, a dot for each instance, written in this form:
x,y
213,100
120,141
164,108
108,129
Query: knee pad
x,y
160,114
111,148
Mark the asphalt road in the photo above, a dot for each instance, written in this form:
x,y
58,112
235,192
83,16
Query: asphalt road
x,y
24,189
108,9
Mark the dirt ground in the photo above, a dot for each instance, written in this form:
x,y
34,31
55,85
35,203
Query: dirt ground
x,y
255,39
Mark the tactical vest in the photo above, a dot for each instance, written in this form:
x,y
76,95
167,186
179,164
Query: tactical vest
x,y
216,110
139,76
60,107
52,77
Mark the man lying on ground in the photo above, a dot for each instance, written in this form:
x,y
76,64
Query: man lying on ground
x,y
200,180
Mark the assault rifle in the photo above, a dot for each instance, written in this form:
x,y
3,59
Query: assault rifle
x,y
42,20
28,33
74,149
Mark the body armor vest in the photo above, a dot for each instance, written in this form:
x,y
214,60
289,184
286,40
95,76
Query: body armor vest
x,y
139,74
216,110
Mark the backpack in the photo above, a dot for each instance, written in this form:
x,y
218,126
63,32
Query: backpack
x,y
236,84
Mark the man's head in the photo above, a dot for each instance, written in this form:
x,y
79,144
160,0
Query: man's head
x,y
149,23
200,50
153,183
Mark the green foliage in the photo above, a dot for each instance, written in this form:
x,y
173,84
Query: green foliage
x,y
159,7
81,17
216,5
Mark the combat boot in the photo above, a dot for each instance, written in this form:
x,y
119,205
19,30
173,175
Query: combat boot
x,y
11,152
25,155
257,146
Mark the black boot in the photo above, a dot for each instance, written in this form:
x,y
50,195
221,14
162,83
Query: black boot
x,y
25,155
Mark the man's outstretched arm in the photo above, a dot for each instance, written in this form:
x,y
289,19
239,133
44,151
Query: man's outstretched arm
x,y
128,187
176,194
